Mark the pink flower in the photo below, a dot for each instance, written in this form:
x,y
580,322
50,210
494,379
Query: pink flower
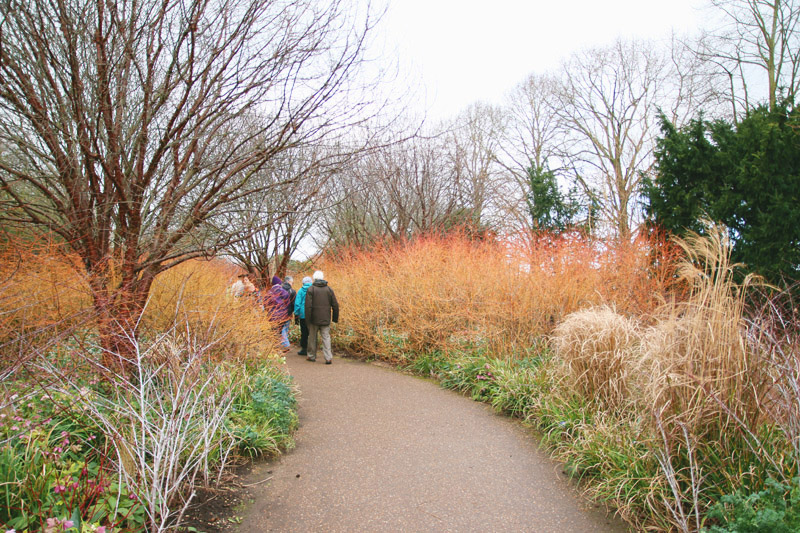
x,y
65,433
51,522
101,529
68,524
57,489
11,531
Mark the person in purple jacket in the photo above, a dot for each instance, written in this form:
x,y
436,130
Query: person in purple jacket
x,y
276,304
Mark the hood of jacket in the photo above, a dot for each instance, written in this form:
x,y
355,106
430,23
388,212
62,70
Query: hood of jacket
x,y
320,283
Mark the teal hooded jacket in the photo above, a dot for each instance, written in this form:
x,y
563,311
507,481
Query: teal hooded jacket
x,y
300,301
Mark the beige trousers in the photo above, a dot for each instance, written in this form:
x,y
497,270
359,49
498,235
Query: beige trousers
x,y
325,337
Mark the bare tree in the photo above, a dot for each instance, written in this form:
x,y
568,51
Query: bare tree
x,y
134,124
532,125
607,103
395,191
473,151
756,51
532,138
289,206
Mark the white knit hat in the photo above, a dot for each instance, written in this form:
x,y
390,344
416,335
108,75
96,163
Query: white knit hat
x,y
318,275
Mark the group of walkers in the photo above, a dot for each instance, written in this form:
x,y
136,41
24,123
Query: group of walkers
x,y
314,307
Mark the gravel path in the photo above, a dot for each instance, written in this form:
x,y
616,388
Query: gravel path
x,y
379,451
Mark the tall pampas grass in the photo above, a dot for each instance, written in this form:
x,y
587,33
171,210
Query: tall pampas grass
x,y
702,373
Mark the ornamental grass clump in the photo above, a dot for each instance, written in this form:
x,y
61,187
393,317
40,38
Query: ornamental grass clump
x,y
42,291
166,427
56,465
702,373
44,294
129,452
103,450
597,346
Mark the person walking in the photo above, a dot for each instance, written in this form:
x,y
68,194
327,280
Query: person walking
x,y
300,314
287,286
276,304
321,308
242,287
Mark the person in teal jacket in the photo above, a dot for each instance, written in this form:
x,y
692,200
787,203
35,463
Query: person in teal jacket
x,y
300,314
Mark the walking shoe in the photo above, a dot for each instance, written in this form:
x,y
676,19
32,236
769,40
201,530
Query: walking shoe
x,y
302,352
328,362
309,359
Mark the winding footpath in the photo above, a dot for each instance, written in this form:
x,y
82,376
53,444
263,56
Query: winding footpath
x,y
380,451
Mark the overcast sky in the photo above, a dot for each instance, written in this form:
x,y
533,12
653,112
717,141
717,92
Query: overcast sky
x,y
462,51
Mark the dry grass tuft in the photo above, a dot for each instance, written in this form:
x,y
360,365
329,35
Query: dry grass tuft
x,y
596,345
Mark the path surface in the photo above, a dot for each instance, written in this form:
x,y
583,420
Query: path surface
x,y
381,451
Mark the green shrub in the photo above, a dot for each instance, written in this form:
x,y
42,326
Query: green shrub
x,y
430,364
265,413
776,509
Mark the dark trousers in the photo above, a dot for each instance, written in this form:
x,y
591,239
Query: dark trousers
x,y
303,335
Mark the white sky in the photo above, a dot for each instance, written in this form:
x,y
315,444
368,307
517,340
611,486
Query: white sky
x,y
462,51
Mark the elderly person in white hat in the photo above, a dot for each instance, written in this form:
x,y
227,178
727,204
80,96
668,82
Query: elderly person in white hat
x,y
321,308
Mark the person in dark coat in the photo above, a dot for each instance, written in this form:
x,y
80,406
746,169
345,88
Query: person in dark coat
x,y
287,286
321,308
300,314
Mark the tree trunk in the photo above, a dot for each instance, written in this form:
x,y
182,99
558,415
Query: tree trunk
x,y
119,311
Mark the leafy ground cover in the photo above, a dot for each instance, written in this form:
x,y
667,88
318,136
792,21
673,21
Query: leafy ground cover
x,y
88,455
